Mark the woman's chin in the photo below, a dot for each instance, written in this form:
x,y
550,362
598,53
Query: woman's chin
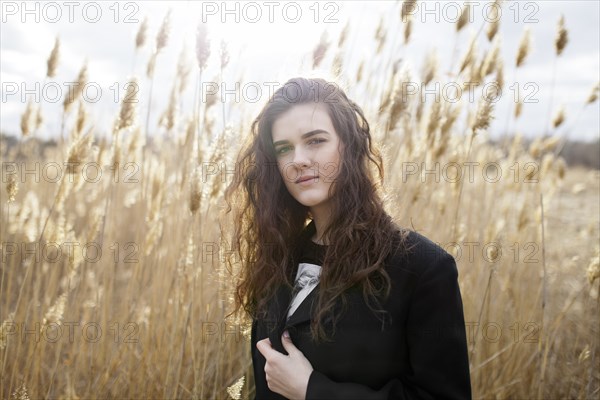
x,y
309,202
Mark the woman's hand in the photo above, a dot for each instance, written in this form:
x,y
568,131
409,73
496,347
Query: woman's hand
x,y
286,375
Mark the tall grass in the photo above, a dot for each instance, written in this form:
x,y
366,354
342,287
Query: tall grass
x,y
147,317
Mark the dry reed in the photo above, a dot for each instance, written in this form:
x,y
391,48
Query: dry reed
x,y
524,47
52,62
560,42
176,285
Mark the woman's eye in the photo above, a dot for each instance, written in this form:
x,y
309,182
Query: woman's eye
x,y
282,150
317,141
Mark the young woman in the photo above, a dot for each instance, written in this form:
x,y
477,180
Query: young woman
x,y
350,305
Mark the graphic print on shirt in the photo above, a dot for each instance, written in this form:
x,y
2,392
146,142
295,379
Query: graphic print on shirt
x,y
307,278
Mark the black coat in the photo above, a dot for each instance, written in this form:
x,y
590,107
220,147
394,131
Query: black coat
x,y
420,354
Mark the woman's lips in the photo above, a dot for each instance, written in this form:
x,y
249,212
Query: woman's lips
x,y
306,181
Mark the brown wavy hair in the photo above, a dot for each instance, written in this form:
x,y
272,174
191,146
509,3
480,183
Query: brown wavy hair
x,y
268,220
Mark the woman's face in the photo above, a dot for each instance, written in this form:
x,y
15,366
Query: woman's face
x,y
307,146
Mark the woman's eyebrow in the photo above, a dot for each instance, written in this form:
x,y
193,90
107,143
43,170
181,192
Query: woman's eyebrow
x,y
304,136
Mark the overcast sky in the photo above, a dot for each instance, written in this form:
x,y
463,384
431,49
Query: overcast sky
x,y
273,51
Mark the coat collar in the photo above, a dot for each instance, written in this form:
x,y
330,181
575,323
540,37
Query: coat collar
x,y
280,306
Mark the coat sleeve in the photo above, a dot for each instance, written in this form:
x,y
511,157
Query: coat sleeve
x,y
257,364
252,345
437,346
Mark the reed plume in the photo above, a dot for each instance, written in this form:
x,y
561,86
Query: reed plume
x,y
82,116
430,67
359,71
12,187
476,72
189,133
183,70
420,107
491,59
408,7
407,29
27,119
142,33
535,148
434,120
320,50
483,116
79,152
561,168
39,119
128,110
524,47
151,65
398,99
499,79
195,190
161,42
202,46
52,62
465,16
559,118
163,34
211,100
493,29
451,115
518,107
470,55
168,119
550,143
562,37
20,393
494,25
4,332
235,390
202,55
338,63
56,311
593,95
82,79
343,35
380,36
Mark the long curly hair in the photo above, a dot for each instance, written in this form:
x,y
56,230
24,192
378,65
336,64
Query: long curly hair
x,y
268,220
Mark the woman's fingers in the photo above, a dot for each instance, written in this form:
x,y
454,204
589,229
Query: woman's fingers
x,y
288,345
265,347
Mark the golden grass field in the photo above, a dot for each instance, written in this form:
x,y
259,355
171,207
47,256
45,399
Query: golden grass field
x,y
146,317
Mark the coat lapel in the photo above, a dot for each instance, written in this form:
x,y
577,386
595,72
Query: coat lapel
x,y
302,314
304,311
281,304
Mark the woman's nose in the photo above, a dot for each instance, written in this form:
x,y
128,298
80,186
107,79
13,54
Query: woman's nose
x,y
301,157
